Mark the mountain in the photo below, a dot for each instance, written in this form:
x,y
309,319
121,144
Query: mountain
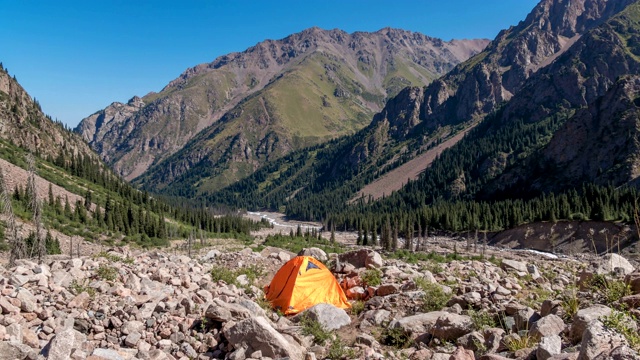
x,y
547,106
244,109
82,203
23,123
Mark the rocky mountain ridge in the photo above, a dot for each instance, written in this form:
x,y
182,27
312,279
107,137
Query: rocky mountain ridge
x,y
23,123
261,103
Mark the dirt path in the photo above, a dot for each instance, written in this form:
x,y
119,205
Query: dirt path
x,y
397,178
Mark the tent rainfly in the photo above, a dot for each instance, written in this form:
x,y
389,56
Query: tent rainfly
x,y
302,283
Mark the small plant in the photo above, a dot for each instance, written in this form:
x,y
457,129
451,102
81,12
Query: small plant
x,y
481,320
619,321
357,307
222,273
314,328
609,290
570,303
515,342
114,258
434,298
395,337
77,288
338,350
107,273
371,277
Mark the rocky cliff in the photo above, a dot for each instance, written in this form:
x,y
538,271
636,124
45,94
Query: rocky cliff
x,y
23,123
276,96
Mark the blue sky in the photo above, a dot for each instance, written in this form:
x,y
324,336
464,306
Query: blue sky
x,y
76,57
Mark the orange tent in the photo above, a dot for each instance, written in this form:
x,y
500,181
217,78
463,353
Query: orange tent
x,y
302,283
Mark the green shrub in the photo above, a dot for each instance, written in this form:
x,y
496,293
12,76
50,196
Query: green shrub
x,y
434,298
339,350
481,320
515,342
371,277
108,273
357,307
222,273
395,337
77,288
620,322
314,328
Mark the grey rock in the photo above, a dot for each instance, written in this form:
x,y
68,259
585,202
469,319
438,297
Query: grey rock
x,y
64,342
258,334
598,341
10,350
362,258
513,265
452,326
608,264
329,316
584,316
548,325
28,301
107,354
314,252
549,346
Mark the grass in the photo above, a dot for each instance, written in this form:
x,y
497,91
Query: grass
x,y
114,258
357,307
608,290
515,342
338,350
481,320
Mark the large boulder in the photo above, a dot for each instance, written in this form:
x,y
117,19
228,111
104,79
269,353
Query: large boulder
x,y
452,326
415,325
547,326
518,266
10,350
314,252
64,344
223,312
329,316
362,258
549,346
599,342
256,334
610,263
584,316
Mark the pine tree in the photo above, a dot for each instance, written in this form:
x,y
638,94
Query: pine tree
x,y
18,250
40,248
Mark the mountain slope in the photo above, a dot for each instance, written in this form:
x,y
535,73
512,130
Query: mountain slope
x,y
589,45
23,123
274,97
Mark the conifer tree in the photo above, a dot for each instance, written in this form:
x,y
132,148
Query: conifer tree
x,y
18,250
40,248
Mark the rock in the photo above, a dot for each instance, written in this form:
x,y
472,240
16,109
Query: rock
x,y
387,289
256,334
524,318
132,339
64,343
623,352
584,316
608,264
366,339
211,255
633,280
461,354
632,301
507,264
13,350
598,341
314,252
551,307
362,258
549,346
223,312
80,301
451,326
106,354
548,325
417,324
7,307
27,300
493,338
283,256
329,316
473,341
